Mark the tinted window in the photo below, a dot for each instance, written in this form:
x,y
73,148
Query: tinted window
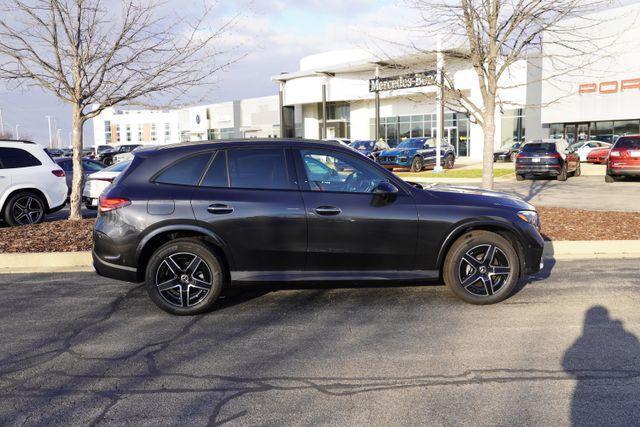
x,y
91,166
539,147
338,172
216,176
185,172
17,158
628,143
258,168
66,165
118,167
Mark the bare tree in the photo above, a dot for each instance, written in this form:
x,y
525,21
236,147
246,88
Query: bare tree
x,y
95,54
496,34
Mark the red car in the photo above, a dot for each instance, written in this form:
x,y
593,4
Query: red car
x,y
624,158
599,155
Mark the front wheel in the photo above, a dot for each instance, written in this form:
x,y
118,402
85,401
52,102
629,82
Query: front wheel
x,y
417,164
184,277
481,268
449,161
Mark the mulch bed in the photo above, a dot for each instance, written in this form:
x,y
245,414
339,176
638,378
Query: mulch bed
x,y
557,224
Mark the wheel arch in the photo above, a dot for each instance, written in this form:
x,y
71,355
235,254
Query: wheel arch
x,y
27,189
505,230
158,237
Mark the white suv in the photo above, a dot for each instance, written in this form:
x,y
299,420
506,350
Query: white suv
x,y
31,183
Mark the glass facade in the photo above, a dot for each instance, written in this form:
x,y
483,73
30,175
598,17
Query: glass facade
x,y
512,127
222,133
607,131
395,129
338,119
107,131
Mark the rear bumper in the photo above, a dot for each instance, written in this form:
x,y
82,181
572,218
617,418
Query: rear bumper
x,y
623,171
113,271
546,170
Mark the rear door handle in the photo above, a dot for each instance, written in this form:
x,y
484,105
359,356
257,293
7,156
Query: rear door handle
x,y
328,210
219,209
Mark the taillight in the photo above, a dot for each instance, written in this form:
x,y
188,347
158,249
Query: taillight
x,y
614,153
58,172
111,203
555,155
520,156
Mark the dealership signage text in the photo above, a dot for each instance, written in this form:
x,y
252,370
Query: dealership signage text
x,y
405,81
613,86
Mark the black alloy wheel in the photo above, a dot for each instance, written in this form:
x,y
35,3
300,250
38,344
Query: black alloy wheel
x,y
482,268
449,161
184,277
24,209
417,164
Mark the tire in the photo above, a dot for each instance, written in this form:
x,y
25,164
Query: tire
x,y
476,284
108,161
449,161
24,208
609,179
510,158
563,174
195,287
578,171
417,164
519,177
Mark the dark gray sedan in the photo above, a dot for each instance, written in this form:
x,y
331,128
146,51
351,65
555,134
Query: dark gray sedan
x,y
88,166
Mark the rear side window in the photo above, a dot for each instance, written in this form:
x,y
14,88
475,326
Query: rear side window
x,y
216,176
11,158
628,143
260,168
540,147
185,172
66,165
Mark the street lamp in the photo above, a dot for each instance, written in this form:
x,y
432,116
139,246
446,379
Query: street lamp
x,y
17,132
49,127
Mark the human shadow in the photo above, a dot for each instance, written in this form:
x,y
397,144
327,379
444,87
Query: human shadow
x,y
604,361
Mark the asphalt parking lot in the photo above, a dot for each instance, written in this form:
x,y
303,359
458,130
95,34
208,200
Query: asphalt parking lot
x,y
80,349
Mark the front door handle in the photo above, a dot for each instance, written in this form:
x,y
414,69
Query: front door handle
x,y
328,210
219,209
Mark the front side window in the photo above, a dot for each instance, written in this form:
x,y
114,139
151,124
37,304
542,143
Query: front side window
x,y
259,168
185,172
11,158
339,172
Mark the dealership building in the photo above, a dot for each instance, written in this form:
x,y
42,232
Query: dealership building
x,y
345,94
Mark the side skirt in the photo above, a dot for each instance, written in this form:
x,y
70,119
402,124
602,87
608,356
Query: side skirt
x,y
302,276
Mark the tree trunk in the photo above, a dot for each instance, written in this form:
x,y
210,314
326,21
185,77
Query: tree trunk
x,y
489,131
78,175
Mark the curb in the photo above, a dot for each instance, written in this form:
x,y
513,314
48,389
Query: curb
x,y
48,262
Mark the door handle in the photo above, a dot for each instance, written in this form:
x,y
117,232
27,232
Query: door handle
x,y
219,209
328,210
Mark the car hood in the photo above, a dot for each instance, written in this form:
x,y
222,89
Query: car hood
x,y
501,152
475,196
397,151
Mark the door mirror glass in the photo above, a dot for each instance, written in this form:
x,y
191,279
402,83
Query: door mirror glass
x,y
385,187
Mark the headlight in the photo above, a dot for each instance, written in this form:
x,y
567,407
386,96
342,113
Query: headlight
x,y
531,217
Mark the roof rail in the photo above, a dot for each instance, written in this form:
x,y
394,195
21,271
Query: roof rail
x,y
24,141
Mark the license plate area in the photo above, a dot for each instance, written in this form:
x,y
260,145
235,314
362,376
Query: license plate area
x,y
634,153
535,160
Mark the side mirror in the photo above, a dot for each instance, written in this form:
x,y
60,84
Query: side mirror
x,y
385,187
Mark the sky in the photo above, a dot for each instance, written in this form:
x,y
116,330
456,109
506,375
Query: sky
x,y
273,34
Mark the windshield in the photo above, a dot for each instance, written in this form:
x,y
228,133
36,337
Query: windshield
x,y
411,143
539,147
362,145
118,167
629,143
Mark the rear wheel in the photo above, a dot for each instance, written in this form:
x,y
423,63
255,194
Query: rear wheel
x,y
481,268
563,174
184,277
609,178
578,171
519,177
417,164
24,208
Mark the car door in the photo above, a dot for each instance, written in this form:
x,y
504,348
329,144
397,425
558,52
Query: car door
x,y
250,198
5,178
349,227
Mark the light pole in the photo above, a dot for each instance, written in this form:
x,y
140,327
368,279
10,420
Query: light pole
x,y
1,122
439,103
49,128
59,140
17,132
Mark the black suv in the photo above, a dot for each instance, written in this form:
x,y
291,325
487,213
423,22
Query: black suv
x,y
190,219
106,156
548,158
